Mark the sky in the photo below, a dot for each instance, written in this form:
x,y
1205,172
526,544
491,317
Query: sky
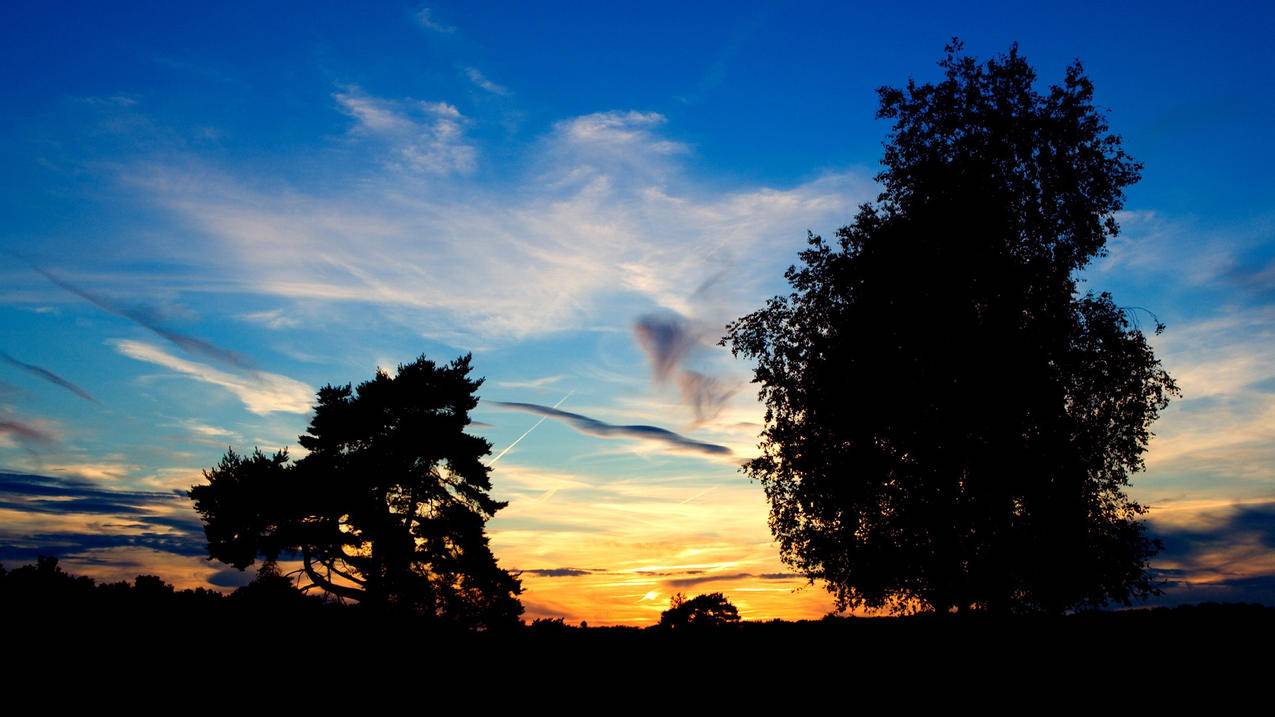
x,y
212,211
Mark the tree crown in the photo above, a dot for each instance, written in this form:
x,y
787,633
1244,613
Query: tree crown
x,y
702,611
948,423
388,506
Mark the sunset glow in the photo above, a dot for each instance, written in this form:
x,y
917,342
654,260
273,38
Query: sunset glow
x,y
211,216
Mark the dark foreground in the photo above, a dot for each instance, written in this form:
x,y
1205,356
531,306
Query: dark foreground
x,y
56,620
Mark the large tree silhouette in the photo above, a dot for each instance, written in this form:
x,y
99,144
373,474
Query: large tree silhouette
x,y
950,423
389,506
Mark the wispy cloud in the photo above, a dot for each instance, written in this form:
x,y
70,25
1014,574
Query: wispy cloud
x,y
28,547
97,470
25,433
557,572
260,392
604,219
273,319
1221,554
729,577
146,319
536,383
81,519
427,137
668,339
480,80
593,427
54,490
47,375
615,131
425,18
525,433
1219,437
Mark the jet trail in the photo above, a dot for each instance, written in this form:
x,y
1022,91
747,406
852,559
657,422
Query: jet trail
x,y
47,375
529,430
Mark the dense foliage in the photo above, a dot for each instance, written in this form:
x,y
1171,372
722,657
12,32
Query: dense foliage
x,y
950,422
702,611
388,507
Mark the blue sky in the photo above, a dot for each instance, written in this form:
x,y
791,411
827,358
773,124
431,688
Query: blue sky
x,y
235,206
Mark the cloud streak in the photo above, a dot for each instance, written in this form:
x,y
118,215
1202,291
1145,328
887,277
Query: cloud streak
x,y
425,137
425,18
601,217
1225,554
47,375
593,427
731,577
525,433
146,518
668,339
143,318
260,392
26,433
557,572
480,80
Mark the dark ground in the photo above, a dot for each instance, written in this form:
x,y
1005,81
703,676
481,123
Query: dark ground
x,y
56,624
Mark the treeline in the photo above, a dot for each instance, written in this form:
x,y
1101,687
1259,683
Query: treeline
x,y
45,595
44,588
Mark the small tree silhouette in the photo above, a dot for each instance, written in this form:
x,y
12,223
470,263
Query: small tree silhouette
x,y
702,611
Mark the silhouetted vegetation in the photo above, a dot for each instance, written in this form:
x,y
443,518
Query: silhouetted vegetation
x,y
265,621
950,426
387,509
45,589
708,611
950,423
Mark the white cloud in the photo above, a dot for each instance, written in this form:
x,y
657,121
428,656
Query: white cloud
x,y
272,319
619,131
480,80
259,391
425,17
1181,250
93,470
1218,439
420,136
373,115
205,431
604,224
533,383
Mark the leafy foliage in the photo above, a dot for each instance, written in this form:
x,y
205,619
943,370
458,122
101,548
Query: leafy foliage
x,y
950,424
389,506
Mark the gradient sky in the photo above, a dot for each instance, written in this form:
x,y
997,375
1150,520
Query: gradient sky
x,y
210,212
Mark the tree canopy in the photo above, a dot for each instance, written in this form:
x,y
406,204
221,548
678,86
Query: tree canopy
x,y
388,507
702,611
950,422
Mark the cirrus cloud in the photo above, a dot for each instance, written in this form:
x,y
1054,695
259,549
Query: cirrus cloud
x,y
259,391
593,427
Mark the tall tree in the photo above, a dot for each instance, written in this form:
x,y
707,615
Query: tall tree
x,y
950,423
389,506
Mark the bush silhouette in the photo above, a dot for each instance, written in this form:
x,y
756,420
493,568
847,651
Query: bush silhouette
x,y
702,611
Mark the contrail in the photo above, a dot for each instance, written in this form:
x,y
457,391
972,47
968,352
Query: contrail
x,y
602,429
143,318
706,491
529,430
47,375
